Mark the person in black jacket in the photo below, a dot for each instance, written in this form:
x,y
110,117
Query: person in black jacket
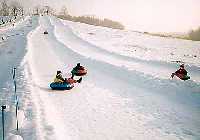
x,y
181,72
76,68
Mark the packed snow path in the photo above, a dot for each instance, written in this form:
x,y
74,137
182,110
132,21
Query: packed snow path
x,y
121,97
113,101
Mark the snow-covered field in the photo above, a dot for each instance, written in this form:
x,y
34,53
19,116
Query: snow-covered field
x,y
127,93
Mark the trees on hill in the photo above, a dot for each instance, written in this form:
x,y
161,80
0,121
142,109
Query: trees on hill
x,y
92,20
195,34
14,8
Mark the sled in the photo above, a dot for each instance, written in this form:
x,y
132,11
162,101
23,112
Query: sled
x,y
182,77
79,72
61,86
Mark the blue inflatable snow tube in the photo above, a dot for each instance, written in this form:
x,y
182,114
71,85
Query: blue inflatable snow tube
x,y
61,86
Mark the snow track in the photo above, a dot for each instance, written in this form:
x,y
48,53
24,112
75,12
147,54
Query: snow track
x,y
120,98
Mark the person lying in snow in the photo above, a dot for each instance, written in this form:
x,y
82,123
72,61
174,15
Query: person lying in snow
x,y
181,73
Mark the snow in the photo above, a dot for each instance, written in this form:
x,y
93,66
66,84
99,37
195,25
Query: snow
x,y
135,44
125,95
15,137
9,24
12,52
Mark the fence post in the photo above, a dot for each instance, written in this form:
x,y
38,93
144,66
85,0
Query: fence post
x,y
16,113
3,130
16,99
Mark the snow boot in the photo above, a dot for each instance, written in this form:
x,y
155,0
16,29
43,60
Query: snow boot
x,y
79,80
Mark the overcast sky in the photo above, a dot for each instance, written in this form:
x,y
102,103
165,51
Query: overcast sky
x,y
142,15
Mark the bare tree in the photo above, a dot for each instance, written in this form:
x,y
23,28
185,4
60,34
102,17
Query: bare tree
x,y
64,11
48,10
36,10
16,8
195,34
4,8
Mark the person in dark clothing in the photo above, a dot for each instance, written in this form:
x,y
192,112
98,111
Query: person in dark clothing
x,y
77,67
181,71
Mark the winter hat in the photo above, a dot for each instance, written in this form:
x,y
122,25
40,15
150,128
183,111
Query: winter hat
x,y
182,65
58,72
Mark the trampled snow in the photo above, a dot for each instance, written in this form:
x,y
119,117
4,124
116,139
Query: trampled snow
x,y
127,93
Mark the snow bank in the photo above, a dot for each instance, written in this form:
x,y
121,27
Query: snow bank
x,y
15,137
12,52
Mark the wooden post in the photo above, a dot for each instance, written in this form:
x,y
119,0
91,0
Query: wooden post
x,y
3,130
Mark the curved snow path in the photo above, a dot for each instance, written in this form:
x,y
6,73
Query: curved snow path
x,y
112,102
155,68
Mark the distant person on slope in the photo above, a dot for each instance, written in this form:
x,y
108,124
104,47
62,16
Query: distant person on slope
x,y
181,73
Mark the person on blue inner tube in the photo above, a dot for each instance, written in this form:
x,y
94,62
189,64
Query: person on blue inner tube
x,y
59,78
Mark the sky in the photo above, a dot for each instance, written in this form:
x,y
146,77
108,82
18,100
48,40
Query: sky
x,y
141,15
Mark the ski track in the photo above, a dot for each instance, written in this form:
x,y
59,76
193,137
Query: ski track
x,y
113,102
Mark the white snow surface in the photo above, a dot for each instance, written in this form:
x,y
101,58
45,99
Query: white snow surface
x,y
127,93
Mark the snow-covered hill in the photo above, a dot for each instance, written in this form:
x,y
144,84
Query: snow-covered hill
x,y
142,46
127,93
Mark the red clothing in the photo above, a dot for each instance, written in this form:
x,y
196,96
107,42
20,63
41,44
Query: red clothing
x,y
70,80
181,71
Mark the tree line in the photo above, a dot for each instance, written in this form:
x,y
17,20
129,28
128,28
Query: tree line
x,y
195,34
92,20
10,10
13,8
64,14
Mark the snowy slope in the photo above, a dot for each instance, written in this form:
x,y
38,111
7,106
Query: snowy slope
x,y
159,64
12,52
122,96
142,46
